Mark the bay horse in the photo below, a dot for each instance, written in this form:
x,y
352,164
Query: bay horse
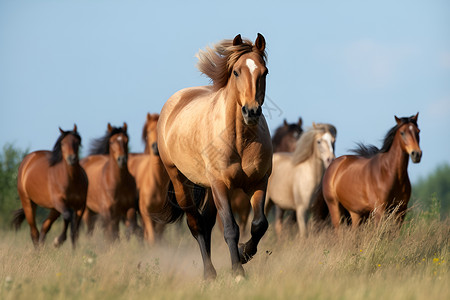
x,y
217,137
112,189
296,176
374,181
54,180
152,180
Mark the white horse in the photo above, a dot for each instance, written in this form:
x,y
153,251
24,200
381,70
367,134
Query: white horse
x,y
296,176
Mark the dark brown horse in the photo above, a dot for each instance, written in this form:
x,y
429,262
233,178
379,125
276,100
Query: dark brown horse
x,y
286,136
216,137
375,180
53,180
152,179
112,189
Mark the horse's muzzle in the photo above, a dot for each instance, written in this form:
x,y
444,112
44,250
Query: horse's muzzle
x,y
72,159
122,161
251,115
416,156
155,148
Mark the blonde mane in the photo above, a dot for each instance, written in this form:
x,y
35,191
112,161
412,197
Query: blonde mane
x,y
217,61
306,145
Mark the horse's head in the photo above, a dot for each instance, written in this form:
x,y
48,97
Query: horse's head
x,y
324,144
409,133
118,144
149,134
69,144
248,78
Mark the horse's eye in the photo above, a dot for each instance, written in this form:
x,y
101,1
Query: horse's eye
x,y
402,133
319,141
235,73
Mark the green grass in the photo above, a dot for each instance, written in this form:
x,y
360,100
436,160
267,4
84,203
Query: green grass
x,y
368,263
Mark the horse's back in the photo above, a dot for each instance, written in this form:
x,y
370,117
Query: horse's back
x,y
32,177
344,181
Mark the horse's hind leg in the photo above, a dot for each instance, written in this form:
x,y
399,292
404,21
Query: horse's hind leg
x,y
197,225
52,216
29,209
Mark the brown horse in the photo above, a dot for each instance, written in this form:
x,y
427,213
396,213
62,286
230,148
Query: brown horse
x,y
375,180
286,136
53,180
112,189
216,137
152,179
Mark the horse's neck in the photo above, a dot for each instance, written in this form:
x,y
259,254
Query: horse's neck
x,y
158,169
317,167
395,159
73,171
114,172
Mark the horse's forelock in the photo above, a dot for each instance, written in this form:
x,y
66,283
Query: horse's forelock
x,y
218,61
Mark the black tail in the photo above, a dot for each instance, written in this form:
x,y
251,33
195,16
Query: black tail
x,y
319,208
18,217
171,211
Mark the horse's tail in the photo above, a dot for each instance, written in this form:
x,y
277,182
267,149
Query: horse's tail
x,y
18,217
171,211
319,208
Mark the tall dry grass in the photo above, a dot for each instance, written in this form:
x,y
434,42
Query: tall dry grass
x,y
369,263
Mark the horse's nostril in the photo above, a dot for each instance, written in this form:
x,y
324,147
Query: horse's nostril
x,y
244,110
259,111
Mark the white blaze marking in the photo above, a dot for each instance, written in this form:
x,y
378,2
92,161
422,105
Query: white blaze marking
x,y
251,65
327,137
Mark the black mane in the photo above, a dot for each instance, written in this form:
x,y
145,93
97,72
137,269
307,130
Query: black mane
x,y
56,155
101,145
284,130
369,151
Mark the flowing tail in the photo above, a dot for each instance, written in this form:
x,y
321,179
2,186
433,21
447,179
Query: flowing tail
x,y
18,217
171,211
319,208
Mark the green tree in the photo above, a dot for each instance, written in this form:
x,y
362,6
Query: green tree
x,y
10,159
434,188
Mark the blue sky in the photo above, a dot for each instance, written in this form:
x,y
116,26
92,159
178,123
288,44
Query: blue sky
x,y
354,64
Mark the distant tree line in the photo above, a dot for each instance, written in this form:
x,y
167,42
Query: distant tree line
x,y
429,194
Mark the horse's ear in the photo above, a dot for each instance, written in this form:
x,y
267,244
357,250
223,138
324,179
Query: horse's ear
x,y
415,117
314,125
125,126
149,116
260,43
285,123
74,128
237,40
398,120
109,127
300,122
60,130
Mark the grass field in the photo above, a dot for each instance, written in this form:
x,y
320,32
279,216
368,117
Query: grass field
x,y
369,263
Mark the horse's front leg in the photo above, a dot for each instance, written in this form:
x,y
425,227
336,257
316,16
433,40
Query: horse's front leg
x,y
259,223
221,196
75,226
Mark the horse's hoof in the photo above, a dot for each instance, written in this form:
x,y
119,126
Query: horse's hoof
x,y
56,243
243,254
239,278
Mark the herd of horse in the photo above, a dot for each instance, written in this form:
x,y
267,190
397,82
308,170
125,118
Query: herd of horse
x,y
209,155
